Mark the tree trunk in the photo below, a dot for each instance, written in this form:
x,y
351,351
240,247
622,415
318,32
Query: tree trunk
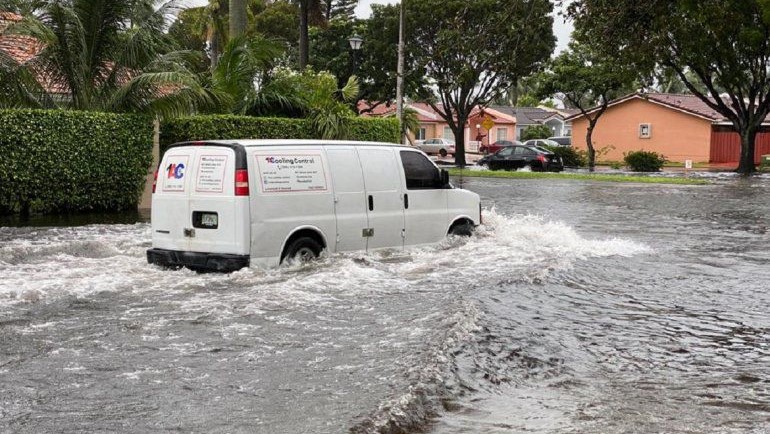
x,y
214,47
746,164
590,145
460,142
238,20
303,34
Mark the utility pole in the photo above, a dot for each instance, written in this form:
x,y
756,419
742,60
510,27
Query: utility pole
x,y
400,73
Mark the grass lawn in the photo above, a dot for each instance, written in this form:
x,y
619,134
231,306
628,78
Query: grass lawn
x,y
577,176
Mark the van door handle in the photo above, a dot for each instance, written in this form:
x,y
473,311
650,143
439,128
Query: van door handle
x,y
371,203
406,201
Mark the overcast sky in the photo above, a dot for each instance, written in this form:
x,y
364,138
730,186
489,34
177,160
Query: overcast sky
x,y
364,9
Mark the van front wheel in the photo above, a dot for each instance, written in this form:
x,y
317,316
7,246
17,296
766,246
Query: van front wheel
x,y
303,250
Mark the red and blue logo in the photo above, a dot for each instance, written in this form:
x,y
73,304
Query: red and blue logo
x,y
175,171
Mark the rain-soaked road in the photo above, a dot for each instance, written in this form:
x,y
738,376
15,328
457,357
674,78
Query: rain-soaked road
x,y
579,308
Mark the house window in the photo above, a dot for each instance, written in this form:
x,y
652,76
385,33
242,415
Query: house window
x,y
448,134
420,134
502,134
645,131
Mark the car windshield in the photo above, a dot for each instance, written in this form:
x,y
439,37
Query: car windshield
x,y
539,149
549,142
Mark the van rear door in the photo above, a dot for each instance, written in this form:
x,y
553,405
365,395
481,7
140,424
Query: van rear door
x,y
218,216
170,202
195,207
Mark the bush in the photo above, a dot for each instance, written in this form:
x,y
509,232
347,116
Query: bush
x,y
218,127
60,161
536,132
644,161
570,156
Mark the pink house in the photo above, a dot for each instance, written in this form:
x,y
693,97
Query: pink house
x,y
485,125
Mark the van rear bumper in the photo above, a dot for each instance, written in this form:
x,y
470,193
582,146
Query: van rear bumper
x,y
197,261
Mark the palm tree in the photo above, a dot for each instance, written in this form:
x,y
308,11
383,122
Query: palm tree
x,y
310,11
110,55
238,18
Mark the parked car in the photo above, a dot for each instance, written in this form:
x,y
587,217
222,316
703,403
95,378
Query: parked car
x,y
520,156
562,140
438,146
498,145
542,142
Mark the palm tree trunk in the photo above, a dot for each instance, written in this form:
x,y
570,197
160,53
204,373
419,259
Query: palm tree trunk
x,y
303,34
238,20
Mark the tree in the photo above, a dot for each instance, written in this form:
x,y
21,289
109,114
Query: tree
x,y
312,95
238,17
279,20
720,45
586,81
310,11
536,132
108,55
344,9
379,56
479,49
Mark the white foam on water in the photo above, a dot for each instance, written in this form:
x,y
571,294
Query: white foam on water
x,y
112,259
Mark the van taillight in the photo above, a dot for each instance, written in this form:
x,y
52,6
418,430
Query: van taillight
x,y
241,182
154,182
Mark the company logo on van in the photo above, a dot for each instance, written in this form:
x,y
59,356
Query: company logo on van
x,y
290,160
175,171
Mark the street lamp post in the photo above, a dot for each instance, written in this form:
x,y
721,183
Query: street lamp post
x,y
355,45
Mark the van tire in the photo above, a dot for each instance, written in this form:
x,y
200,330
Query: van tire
x,y
461,229
303,249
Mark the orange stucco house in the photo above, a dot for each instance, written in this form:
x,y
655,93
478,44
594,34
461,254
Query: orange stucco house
x,y
681,127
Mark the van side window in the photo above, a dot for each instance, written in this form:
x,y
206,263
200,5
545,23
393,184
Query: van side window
x,y
420,172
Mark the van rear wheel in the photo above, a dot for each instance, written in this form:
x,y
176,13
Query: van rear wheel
x,y
302,250
461,229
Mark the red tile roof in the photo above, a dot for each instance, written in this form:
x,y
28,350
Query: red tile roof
x,y
685,103
19,47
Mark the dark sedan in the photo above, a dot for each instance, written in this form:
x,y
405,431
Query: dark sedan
x,y
517,157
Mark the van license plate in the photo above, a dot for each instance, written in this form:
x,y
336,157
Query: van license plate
x,y
205,220
209,220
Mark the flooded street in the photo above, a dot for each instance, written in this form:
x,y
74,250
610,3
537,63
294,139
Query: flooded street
x,y
580,307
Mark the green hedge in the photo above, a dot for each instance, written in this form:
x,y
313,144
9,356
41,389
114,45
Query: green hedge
x,y
62,161
217,127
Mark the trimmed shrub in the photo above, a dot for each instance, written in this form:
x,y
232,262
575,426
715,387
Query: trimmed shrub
x,y
62,161
644,161
569,155
218,127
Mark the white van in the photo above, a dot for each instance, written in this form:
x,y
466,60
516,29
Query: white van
x,y
224,205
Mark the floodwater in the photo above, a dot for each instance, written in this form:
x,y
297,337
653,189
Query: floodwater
x,y
579,307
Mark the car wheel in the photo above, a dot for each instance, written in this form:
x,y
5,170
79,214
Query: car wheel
x,y
461,229
493,166
442,152
302,250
